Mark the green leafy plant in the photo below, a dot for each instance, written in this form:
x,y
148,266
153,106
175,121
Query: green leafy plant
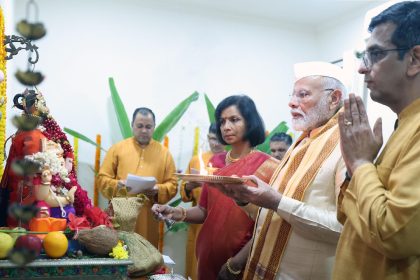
x,y
81,137
178,227
175,203
125,126
122,117
210,109
173,117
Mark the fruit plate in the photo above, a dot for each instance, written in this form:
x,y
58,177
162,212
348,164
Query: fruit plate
x,y
215,179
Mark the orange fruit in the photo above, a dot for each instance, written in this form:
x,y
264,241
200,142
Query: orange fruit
x,y
55,244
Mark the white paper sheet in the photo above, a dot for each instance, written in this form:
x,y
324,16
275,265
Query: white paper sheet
x,y
137,184
167,260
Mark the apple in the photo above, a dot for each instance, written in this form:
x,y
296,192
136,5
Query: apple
x,y
26,249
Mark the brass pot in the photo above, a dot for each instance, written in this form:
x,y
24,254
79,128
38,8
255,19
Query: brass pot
x,y
29,78
31,31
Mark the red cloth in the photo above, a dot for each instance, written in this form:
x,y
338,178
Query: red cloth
x,y
23,143
227,227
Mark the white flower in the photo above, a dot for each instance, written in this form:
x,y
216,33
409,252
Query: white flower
x,y
50,160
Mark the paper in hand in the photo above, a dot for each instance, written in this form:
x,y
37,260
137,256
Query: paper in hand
x,y
137,184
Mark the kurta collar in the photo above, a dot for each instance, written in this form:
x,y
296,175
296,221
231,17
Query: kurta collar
x,y
152,143
411,110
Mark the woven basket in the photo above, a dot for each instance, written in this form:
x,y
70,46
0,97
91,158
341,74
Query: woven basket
x,y
124,210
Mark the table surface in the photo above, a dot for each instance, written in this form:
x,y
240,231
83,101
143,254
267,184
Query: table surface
x,y
59,269
69,262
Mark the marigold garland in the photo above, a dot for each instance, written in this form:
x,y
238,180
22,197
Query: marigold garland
x,y
3,97
76,153
161,225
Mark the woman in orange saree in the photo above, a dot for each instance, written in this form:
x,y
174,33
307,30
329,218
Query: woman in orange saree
x,y
226,227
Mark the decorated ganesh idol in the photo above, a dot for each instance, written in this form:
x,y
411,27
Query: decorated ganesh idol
x,y
36,134
49,185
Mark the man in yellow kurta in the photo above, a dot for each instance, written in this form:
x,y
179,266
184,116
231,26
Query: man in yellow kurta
x,y
191,191
143,156
380,238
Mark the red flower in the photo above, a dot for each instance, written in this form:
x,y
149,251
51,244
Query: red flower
x,y
98,217
77,223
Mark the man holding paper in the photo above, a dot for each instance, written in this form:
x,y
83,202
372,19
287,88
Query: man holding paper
x,y
140,155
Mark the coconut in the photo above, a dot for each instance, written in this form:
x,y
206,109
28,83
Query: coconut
x,y
100,240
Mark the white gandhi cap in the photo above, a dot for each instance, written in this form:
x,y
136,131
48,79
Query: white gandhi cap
x,y
319,68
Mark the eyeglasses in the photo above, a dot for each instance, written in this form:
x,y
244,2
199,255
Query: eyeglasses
x,y
371,57
303,96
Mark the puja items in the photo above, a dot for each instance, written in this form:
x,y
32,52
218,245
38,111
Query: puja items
x,y
100,240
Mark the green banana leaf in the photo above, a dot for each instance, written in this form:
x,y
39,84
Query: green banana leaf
x,y
122,117
265,147
178,227
176,202
81,137
210,109
174,116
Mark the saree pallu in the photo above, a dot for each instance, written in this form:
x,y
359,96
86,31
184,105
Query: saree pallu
x,y
227,227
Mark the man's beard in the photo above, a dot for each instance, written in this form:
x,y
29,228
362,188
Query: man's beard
x,y
313,118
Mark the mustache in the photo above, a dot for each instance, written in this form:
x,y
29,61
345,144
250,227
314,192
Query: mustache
x,y
297,111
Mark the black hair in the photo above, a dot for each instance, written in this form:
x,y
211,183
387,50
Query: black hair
x,y
255,129
213,128
143,111
281,137
28,100
406,17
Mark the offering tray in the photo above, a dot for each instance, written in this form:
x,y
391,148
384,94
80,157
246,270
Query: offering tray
x,y
212,179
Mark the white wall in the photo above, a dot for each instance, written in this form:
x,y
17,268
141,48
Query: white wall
x,y
347,35
158,55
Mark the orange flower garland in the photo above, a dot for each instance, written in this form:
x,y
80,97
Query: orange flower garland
x,y
3,97
161,225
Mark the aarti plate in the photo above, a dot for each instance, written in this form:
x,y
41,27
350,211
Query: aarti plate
x,y
215,179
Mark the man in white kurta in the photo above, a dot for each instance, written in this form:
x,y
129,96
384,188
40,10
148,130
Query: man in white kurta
x,y
297,228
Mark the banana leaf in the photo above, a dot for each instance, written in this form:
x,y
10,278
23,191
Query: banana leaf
x,y
171,120
210,109
175,203
265,147
122,117
81,137
178,227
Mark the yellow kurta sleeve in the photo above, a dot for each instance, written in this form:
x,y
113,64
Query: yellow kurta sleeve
x,y
382,202
107,181
169,186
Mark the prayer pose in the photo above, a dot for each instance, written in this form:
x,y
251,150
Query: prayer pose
x,y
381,205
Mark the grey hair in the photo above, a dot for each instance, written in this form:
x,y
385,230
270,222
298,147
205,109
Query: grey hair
x,y
328,82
